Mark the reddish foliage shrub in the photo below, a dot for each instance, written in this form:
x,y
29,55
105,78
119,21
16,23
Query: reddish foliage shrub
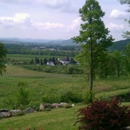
x,y
104,115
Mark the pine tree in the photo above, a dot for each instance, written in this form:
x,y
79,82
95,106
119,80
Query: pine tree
x,y
93,37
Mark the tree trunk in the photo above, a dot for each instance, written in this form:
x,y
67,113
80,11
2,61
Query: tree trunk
x,y
91,71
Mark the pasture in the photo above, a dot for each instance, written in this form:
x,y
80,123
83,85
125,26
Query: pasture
x,y
40,84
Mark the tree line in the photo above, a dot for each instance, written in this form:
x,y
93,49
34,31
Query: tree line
x,y
55,60
50,50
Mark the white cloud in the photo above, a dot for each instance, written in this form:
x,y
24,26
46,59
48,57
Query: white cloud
x,y
17,1
23,20
117,13
63,5
20,17
74,25
52,3
47,25
113,26
19,20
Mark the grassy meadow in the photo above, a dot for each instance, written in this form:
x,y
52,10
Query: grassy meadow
x,y
39,84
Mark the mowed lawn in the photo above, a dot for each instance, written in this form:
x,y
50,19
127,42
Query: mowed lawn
x,y
56,119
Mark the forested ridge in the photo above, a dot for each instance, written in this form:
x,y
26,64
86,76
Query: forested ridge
x,y
19,47
119,45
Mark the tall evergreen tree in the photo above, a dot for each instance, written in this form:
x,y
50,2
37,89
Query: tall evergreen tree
x,y
93,37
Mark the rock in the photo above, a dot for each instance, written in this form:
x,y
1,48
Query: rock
x,y
55,105
4,110
128,128
41,107
4,113
29,110
1,115
14,112
48,105
63,104
72,105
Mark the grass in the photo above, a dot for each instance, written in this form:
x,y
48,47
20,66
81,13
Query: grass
x,y
23,57
40,83
17,71
112,93
56,119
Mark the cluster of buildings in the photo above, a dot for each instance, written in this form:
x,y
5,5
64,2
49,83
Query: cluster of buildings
x,y
64,61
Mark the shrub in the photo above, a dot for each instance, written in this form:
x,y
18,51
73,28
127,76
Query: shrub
x,y
70,69
50,98
104,115
71,96
22,94
48,69
68,106
87,96
47,109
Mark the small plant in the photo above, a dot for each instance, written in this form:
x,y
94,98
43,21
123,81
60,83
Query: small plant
x,y
22,94
87,97
104,115
68,106
71,96
47,109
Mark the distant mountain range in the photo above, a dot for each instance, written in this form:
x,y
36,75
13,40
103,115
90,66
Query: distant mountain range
x,y
118,45
27,40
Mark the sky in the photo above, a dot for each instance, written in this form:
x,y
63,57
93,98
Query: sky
x,y
56,19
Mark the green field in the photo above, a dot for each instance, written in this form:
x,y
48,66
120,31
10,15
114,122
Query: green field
x,y
40,83
28,57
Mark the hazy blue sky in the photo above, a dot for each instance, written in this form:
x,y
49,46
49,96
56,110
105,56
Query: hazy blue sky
x,y
55,19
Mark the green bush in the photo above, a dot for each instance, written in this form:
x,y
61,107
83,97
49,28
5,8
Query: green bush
x,y
68,106
50,98
70,69
48,69
71,96
22,94
47,109
73,69
104,115
87,96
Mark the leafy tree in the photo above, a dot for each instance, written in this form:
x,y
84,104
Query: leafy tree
x,y
93,37
118,58
127,54
32,61
2,56
103,67
127,33
37,61
45,60
72,61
